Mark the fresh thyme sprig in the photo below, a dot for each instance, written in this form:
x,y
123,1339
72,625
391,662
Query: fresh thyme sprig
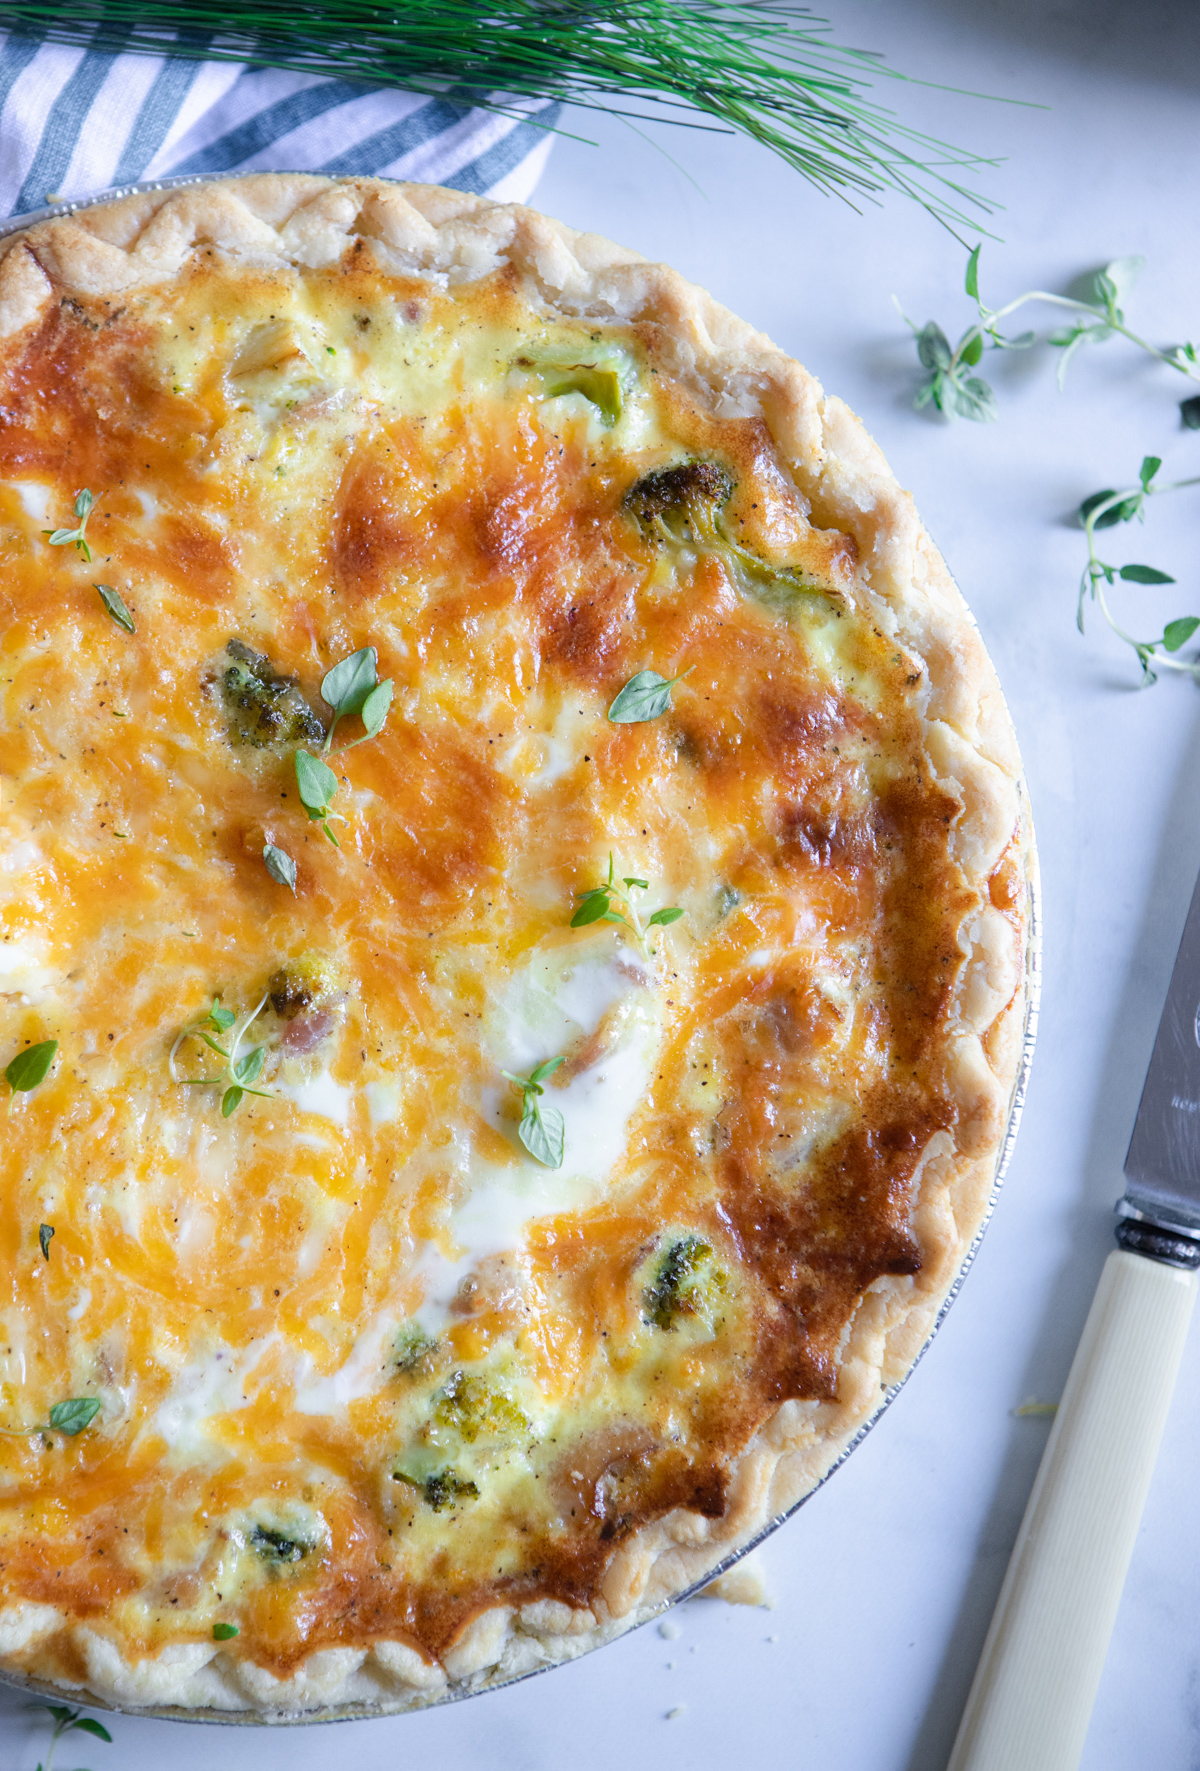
x,y
238,1073
758,67
1103,510
541,1129
76,537
352,686
959,394
611,902
67,1721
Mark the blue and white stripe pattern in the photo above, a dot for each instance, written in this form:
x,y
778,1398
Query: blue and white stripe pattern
x,y
76,121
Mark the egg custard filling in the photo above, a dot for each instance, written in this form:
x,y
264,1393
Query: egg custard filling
x,y
471,835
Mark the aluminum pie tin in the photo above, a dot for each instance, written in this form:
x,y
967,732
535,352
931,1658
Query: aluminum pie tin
x,y
370,1712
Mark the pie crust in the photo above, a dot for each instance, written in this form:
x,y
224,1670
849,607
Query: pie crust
x,y
96,265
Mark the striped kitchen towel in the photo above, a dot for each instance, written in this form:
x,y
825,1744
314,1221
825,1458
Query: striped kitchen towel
x,y
76,121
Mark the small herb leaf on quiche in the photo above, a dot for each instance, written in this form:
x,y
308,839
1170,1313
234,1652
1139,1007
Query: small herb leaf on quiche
x,y
75,537
225,1632
348,684
663,918
353,687
541,1130
113,602
45,1232
74,1415
317,785
31,1066
644,697
280,866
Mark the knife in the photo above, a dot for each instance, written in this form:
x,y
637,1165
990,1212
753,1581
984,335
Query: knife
x,y
1032,1697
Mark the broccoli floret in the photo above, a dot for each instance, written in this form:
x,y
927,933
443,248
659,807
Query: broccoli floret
x,y
681,503
441,1489
687,1282
414,1349
476,1409
685,506
300,985
275,1547
265,708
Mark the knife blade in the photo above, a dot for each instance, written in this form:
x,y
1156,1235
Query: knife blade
x,y
1161,1209
1036,1682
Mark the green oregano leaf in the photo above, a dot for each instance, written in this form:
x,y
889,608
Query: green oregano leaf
x,y
1189,412
974,399
73,1416
231,1100
972,276
1145,575
116,608
541,1130
1150,466
933,347
225,1632
1178,633
31,1066
662,918
375,709
45,1232
247,1067
280,866
593,909
317,784
644,697
89,1725
1119,513
374,712
349,683
75,537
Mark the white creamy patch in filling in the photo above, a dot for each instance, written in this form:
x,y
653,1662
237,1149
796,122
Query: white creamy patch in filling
x,y
383,1102
558,1004
214,1384
359,1375
34,498
24,972
319,1094
20,856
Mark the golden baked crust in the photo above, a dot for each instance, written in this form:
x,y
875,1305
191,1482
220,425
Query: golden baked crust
x,y
834,800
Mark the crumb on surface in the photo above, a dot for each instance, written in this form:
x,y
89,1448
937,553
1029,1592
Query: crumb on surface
x,y
743,1584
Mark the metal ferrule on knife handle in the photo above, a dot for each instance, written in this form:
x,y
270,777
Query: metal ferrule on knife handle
x,y
1161,1208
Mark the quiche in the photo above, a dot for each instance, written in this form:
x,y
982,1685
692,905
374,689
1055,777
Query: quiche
x,y
515,947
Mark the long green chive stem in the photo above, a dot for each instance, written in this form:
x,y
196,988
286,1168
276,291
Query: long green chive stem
x,y
765,68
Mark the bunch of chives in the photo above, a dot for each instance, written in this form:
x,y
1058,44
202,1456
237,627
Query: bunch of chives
x,y
763,67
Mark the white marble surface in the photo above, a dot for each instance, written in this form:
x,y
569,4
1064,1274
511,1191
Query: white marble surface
x,y
884,1582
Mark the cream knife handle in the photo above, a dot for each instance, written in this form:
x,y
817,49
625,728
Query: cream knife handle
x,y
1032,1698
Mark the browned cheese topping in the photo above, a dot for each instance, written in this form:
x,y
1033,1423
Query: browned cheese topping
x,y
366,1358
